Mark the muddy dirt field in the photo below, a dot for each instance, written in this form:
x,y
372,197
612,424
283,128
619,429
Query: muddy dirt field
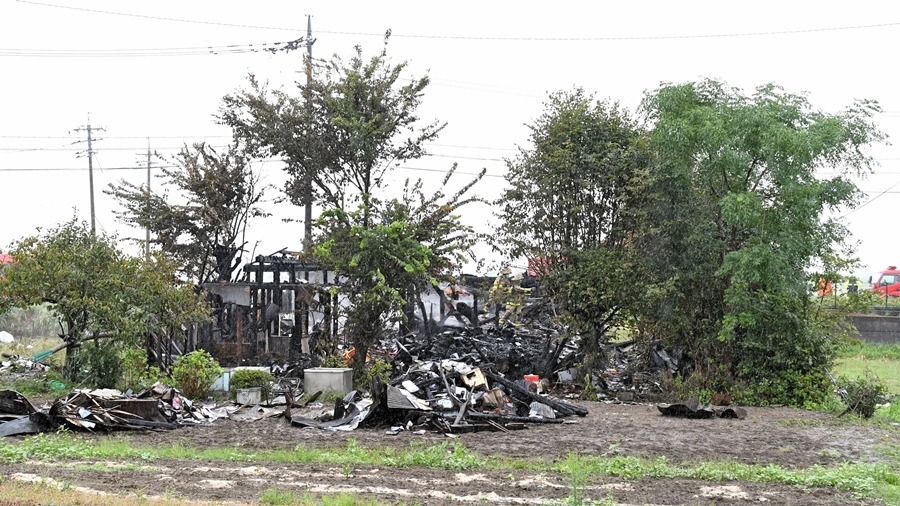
x,y
790,438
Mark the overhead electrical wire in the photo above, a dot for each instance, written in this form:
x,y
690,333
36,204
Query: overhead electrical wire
x,y
103,148
137,52
471,37
151,137
873,199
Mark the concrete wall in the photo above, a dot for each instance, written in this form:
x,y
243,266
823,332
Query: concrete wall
x,y
877,329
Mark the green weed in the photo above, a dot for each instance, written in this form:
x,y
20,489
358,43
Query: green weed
x,y
577,476
275,497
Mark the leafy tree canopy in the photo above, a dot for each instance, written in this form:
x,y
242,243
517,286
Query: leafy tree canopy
x,y
100,295
202,224
570,206
571,188
338,138
737,220
341,133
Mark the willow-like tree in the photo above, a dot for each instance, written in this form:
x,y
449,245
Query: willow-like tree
x,y
744,203
199,216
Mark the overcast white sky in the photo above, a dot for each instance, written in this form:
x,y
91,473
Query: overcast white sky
x,y
144,70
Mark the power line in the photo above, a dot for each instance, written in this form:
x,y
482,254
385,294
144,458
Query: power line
x,y
444,171
66,169
158,18
470,37
465,157
32,150
115,53
467,147
873,199
118,137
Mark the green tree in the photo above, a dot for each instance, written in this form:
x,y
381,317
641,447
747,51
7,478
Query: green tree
x,y
569,206
338,138
105,301
203,224
380,261
739,219
340,135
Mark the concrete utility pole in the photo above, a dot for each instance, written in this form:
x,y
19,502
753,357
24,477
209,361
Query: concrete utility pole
x,y
147,243
307,220
90,155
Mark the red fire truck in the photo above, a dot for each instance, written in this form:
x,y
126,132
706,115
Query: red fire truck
x,y
888,282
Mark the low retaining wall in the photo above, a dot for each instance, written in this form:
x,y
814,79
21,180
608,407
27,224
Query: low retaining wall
x,y
877,329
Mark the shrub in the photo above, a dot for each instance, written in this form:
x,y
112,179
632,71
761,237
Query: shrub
x,y
250,378
136,373
195,372
379,369
862,394
103,364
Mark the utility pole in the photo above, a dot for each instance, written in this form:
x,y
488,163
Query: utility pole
x,y
90,155
307,220
147,243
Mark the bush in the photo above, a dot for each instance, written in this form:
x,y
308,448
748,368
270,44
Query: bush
x,y
195,372
378,369
136,373
250,378
103,364
862,394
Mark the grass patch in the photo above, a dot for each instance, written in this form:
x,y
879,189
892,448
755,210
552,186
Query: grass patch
x,y
883,360
47,492
64,445
863,479
14,493
28,348
277,497
871,351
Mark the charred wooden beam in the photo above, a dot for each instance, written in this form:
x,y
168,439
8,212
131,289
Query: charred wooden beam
x,y
562,407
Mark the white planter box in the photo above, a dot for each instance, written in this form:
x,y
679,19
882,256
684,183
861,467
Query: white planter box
x,y
249,396
335,379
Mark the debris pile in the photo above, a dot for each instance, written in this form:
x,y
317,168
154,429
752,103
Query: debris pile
x,y
17,363
158,407
447,396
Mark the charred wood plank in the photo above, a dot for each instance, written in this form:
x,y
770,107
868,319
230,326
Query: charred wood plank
x,y
562,407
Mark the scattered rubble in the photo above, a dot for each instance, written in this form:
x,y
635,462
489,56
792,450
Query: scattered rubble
x,y
158,407
12,362
474,369
692,409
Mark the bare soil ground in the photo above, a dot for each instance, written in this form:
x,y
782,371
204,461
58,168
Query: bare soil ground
x,y
791,438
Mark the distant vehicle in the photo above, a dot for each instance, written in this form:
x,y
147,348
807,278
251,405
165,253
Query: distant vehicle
x,y
888,282
5,259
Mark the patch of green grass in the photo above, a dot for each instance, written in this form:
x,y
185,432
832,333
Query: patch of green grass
x,y
891,413
277,497
880,479
886,370
862,479
857,360
871,351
